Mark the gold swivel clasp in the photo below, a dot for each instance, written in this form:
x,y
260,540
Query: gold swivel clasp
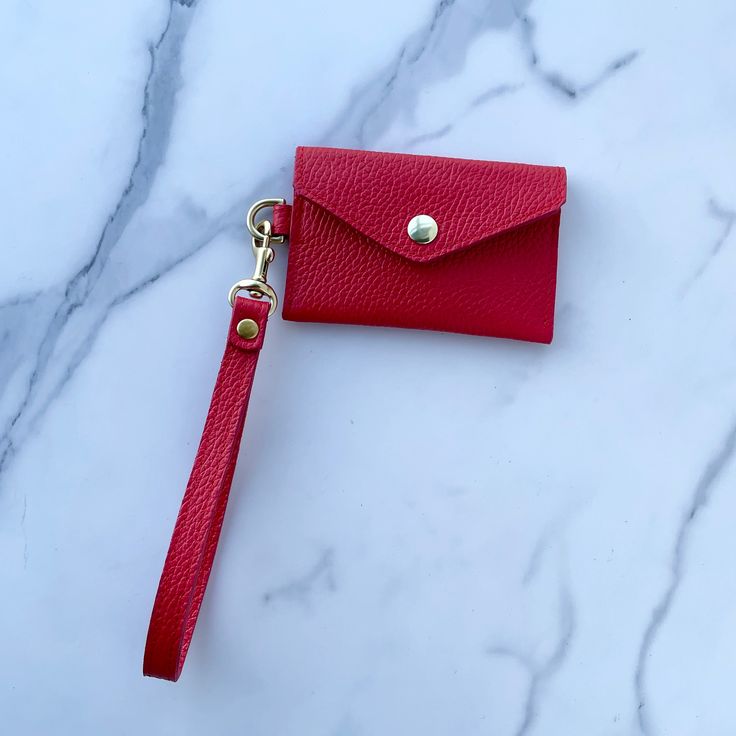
x,y
257,286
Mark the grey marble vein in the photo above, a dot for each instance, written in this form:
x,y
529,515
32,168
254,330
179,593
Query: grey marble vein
x,y
552,534
492,93
157,113
727,217
499,90
301,588
541,673
433,53
557,81
699,501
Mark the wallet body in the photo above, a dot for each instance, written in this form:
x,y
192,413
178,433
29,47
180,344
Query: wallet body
x,y
490,270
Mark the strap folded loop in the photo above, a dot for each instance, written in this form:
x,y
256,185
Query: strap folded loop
x,y
197,529
281,219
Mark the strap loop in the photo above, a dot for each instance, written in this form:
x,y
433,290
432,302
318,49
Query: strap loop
x,y
197,529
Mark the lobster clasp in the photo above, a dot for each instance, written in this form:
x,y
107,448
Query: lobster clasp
x,y
262,251
257,286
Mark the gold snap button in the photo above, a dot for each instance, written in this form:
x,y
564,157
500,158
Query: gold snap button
x,y
422,229
247,329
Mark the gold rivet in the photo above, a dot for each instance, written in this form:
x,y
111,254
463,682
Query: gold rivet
x,y
247,329
422,229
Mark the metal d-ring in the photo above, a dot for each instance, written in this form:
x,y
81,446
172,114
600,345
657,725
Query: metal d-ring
x,y
250,218
254,288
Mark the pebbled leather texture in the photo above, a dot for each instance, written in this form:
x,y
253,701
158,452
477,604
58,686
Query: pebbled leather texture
x,y
490,271
197,529
281,219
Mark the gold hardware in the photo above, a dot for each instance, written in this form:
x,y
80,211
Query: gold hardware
x,y
250,218
422,229
262,239
262,250
247,329
257,290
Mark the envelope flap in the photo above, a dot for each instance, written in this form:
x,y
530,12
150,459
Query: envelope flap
x,y
379,193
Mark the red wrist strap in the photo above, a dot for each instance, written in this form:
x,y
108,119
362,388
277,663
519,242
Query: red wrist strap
x,y
197,529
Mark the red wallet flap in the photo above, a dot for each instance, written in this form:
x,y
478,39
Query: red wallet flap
x,y
379,193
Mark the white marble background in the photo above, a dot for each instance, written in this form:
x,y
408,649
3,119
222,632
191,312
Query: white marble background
x,y
428,534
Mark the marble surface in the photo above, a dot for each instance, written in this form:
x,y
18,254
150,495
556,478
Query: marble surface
x,y
428,534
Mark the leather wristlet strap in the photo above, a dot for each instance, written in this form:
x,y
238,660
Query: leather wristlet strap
x,y
197,529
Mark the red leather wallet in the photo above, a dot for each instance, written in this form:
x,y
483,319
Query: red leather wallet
x,y
375,239
490,268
